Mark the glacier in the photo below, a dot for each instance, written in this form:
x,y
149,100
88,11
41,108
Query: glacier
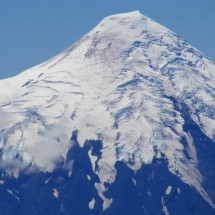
x,y
125,83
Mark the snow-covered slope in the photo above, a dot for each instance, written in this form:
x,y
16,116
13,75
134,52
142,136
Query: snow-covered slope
x,y
120,84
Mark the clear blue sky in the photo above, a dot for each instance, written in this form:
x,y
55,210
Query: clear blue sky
x,y
32,31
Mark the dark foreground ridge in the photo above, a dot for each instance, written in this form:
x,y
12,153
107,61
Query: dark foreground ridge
x,y
133,193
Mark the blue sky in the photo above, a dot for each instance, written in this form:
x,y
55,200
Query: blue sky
x,y
32,31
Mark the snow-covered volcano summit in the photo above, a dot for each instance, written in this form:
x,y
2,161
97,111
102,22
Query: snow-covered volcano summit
x,y
125,83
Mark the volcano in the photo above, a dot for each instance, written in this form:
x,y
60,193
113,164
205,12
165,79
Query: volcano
x,y
120,123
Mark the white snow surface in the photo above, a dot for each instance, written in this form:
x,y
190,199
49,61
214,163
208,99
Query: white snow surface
x,y
55,193
113,85
168,190
92,204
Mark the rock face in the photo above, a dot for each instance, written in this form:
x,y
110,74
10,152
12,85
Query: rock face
x,y
120,123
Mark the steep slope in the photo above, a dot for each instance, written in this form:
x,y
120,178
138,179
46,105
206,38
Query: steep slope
x,y
130,83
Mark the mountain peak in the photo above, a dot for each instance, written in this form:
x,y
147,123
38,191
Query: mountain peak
x,y
136,13
134,17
